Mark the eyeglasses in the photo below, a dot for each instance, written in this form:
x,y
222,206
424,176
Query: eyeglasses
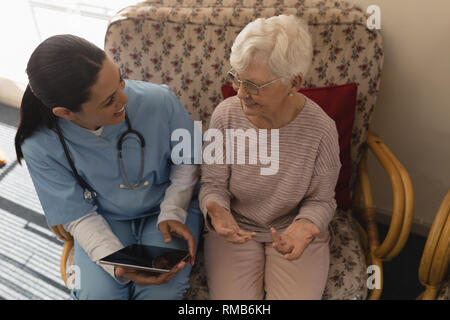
x,y
249,86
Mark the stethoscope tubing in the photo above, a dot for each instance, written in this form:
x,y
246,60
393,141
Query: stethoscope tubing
x,y
89,193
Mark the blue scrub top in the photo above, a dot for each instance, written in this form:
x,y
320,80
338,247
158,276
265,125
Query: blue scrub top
x,y
155,112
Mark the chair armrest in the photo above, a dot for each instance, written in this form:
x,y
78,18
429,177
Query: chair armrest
x,y
402,212
435,257
403,201
68,246
62,234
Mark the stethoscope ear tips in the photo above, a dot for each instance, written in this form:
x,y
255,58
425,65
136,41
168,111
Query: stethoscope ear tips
x,y
134,187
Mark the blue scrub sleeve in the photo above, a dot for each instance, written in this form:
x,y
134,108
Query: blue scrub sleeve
x,y
60,194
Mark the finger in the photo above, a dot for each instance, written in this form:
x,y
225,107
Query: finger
x,y
283,246
149,278
246,234
165,231
287,245
236,238
184,232
295,253
119,271
275,235
175,270
187,235
192,247
137,276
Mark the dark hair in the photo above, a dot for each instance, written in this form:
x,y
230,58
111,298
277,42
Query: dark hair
x,y
61,72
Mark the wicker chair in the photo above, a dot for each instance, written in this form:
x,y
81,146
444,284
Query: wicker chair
x,y
186,45
436,256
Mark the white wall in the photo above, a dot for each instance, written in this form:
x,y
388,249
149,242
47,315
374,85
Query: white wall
x,y
412,114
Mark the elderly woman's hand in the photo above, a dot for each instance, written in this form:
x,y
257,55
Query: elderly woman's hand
x,y
294,240
225,225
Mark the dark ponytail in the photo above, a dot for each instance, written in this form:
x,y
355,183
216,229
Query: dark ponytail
x,y
33,114
61,72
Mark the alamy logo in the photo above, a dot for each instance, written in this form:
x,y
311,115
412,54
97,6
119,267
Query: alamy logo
x,y
374,281
374,20
234,142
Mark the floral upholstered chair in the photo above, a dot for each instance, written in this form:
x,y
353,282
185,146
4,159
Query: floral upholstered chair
x,y
186,44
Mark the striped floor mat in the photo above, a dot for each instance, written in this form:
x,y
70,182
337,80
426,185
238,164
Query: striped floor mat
x,y
29,251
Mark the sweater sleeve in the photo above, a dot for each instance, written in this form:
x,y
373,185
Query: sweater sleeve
x,y
215,172
319,203
179,194
96,238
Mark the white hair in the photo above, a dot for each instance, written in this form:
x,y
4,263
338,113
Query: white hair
x,y
282,42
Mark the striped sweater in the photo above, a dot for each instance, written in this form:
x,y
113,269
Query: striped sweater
x,y
302,187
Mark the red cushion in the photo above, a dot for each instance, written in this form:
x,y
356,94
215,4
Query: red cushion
x,y
339,103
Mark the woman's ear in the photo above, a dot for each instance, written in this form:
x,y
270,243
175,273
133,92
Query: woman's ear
x,y
63,113
297,82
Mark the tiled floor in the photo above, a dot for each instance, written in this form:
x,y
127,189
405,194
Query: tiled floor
x,y
29,252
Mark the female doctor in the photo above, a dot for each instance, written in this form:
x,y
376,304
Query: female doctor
x,y
98,150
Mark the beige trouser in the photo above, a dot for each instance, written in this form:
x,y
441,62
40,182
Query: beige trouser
x,y
247,271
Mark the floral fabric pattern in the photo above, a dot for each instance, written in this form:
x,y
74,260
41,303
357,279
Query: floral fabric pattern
x,y
186,44
444,292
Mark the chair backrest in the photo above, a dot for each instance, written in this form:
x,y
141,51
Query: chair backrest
x,y
186,44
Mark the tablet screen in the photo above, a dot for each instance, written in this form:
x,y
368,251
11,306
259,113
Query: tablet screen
x,y
144,257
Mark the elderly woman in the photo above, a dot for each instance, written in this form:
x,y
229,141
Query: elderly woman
x,y
268,234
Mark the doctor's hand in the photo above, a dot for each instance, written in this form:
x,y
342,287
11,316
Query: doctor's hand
x,y
148,278
168,227
225,224
294,240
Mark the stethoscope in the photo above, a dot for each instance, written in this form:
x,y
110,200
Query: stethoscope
x,y
89,194
129,185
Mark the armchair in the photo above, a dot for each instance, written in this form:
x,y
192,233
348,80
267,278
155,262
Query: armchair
x,y
186,44
436,256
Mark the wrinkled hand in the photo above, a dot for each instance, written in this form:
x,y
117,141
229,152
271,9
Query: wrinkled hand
x,y
225,225
169,227
148,278
294,240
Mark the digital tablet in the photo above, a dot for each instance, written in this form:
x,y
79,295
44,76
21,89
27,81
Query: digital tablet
x,y
149,258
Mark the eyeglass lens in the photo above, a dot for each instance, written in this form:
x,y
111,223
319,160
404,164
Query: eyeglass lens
x,y
248,86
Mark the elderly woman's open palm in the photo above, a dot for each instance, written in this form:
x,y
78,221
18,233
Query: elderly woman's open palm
x,y
225,225
294,240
